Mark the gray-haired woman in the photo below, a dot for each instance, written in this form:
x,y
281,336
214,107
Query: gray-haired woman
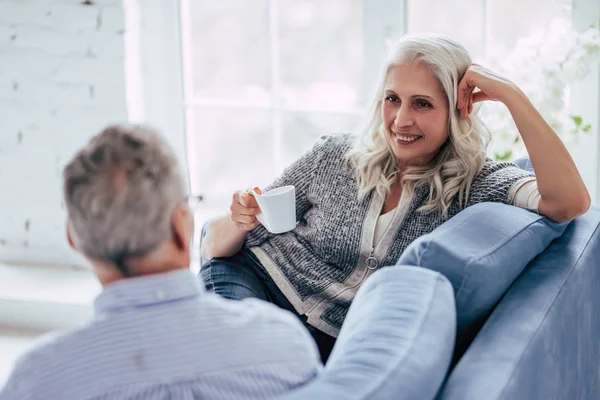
x,y
419,159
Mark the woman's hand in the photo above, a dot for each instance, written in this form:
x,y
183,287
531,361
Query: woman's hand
x,y
244,209
225,235
563,193
491,87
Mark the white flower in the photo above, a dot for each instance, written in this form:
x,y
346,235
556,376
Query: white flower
x,y
543,65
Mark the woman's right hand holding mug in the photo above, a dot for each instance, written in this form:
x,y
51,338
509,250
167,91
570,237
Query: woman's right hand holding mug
x,y
244,209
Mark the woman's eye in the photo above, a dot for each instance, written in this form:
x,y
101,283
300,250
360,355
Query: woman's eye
x,y
423,104
391,98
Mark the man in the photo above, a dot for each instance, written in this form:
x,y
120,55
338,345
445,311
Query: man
x,y
156,334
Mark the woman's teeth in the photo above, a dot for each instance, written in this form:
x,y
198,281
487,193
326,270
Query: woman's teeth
x,y
407,138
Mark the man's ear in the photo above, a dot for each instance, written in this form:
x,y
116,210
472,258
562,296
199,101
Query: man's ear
x,y
183,227
70,236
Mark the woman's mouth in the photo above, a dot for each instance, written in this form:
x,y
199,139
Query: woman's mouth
x,y
406,139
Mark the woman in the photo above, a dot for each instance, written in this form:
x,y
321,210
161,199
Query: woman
x,y
419,160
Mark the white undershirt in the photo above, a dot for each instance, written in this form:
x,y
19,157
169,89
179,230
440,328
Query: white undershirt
x,y
522,194
382,224
526,194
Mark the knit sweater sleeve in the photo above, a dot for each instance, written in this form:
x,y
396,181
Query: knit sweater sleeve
x,y
300,174
497,182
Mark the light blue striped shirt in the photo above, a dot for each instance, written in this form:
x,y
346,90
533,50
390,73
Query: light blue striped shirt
x,y
163,337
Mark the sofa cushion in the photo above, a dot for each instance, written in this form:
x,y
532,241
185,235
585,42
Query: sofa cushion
x,y
524,163
481,251
396,342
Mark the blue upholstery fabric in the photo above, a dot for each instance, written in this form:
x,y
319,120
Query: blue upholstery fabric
x,y
543,340
396,341
524,163
482,250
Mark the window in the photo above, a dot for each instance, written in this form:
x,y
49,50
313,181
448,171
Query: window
x,y
489,29
264,78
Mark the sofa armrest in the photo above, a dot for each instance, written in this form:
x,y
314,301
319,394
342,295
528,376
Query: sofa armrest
x,y
482,251
396,342
543,339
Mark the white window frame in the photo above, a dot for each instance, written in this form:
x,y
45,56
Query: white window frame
x,y
377,28
154,69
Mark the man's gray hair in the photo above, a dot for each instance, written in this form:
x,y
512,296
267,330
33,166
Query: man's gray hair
x,y
120,192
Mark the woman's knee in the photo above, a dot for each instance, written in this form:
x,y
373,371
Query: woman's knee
x,y
232,279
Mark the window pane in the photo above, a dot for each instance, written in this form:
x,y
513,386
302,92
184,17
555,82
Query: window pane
x,y
230,50
229,149
462,20
320,48
302,130
508,26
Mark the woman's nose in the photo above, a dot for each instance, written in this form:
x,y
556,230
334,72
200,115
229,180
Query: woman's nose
x,y
404,117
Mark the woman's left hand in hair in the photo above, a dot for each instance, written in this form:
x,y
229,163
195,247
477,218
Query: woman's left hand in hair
x,y
490,85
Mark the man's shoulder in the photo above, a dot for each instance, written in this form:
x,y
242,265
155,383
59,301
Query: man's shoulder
x,y
44,347
256,320
252,312
39,362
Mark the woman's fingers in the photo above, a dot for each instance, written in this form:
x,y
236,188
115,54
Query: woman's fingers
x,y
475,77
464,93
460,94
243,210
245,203
243,221
463,89
236,216
470,109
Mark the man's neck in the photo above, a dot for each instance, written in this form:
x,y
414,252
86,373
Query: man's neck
x,y
108,274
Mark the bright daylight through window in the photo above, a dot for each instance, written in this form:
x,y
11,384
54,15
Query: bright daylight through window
x,y
263,79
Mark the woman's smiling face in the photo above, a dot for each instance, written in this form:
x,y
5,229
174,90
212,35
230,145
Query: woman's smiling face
x,y
415,113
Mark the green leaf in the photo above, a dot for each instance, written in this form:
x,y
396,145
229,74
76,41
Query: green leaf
x,y
577,119
506,156
587,128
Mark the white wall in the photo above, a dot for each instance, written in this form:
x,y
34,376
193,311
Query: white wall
x,y
62,78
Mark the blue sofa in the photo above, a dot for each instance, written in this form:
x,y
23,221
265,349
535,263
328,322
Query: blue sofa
x,y
542,341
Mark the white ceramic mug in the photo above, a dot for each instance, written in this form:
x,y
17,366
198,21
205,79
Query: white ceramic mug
x,y
278,209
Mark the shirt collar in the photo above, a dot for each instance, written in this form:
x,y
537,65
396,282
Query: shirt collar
x,y
147,290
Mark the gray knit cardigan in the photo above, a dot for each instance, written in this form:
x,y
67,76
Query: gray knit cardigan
x,y
320,265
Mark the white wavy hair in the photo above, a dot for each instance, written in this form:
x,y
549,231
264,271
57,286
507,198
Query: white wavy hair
x,y
459,159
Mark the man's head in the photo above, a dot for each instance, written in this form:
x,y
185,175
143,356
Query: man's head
x,y
126,204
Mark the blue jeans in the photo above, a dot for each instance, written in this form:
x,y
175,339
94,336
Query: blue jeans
x,y
242,276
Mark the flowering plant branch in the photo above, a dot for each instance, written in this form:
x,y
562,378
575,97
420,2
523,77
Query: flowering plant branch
x,y
543,65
